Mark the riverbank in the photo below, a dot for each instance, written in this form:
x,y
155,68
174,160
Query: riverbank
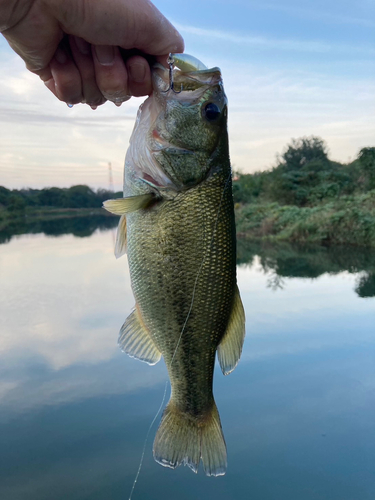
x,y
54,222
35,214
348,220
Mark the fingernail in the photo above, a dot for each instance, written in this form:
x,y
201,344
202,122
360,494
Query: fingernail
x,y
60,56
118,104
82,45
137,72
93,107
105,54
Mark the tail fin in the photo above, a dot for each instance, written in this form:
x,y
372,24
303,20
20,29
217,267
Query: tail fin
x,y
182,439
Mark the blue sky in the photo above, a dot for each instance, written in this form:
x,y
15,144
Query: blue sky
x,y
289,69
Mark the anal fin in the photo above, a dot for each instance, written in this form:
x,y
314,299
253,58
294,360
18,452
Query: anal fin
x,y
135,340
230,347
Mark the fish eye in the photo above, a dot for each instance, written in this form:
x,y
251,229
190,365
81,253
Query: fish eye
x,y
211,112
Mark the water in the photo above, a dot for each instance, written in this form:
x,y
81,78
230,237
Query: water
x,y
298,412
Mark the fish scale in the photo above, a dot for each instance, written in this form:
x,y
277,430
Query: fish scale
x,y
161,241
177,225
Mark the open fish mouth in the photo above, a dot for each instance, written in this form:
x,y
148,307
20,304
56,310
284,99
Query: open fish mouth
x,y
185,75
186,80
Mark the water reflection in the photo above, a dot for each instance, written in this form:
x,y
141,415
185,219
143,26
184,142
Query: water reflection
x,y
288,261
297,412
278,260
78,226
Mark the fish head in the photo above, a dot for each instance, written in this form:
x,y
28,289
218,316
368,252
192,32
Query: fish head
x,y
180,128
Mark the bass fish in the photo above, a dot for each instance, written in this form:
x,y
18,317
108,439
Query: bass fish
x,y
177,226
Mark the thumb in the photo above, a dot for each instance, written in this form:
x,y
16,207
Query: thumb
x,y
130,24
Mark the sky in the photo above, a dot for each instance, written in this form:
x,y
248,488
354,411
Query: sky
x,y
290,70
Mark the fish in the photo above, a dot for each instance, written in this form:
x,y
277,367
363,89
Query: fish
x,y
177,227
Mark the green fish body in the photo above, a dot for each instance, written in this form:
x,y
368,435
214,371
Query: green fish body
x,y
178,227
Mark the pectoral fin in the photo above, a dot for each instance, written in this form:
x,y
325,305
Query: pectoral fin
x,y
121,238
122,206
135,340
230,347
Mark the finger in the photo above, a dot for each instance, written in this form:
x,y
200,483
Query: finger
x,y
50,84
131,24
139,76
81,52
35,37
68,86
110,73
164,59
47,78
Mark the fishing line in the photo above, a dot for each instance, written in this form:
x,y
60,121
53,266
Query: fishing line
x,y
148,433
182,331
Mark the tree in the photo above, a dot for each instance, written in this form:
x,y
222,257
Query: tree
x,y
4,195
81,196
366,158
16,204
303,151
52,197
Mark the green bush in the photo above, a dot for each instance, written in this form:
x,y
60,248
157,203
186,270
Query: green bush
x,y
304,176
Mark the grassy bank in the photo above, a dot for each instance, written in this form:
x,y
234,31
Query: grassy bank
x,y
347,220
46,214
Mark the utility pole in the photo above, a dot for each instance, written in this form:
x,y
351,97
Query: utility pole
x,y
110,175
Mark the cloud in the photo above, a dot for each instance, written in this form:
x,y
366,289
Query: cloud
x,y
297,45
35,117
66,279
43,143
317,14
67,298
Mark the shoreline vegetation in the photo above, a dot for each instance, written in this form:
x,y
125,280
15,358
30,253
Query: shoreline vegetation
x,y
305,199
349,220
309,199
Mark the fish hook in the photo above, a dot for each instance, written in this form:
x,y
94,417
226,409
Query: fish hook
x,y
171,83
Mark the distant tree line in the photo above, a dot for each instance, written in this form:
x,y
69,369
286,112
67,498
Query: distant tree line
x,y
305,176
80,196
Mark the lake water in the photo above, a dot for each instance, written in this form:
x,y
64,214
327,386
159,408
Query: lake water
x,y
298,412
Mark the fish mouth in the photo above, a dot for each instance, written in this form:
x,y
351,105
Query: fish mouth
x,y
186,85
189,85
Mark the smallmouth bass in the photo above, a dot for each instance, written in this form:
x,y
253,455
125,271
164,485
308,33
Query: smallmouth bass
x,y
177,226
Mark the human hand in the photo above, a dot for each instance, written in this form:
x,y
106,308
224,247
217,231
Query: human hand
x,y
74,45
